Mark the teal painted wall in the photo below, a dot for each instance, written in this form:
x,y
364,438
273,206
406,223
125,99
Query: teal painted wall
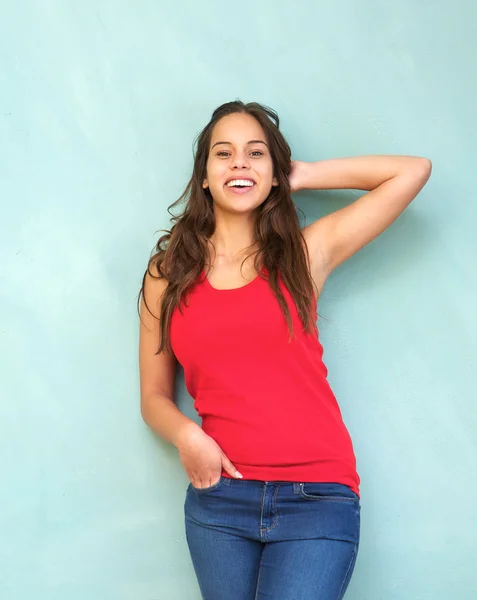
x,y
99,104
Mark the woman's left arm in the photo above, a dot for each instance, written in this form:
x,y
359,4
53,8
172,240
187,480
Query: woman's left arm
x,y
393,181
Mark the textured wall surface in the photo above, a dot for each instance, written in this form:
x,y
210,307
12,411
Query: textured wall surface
x,y
99,105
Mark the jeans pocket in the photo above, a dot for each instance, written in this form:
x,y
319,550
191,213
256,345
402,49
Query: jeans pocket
x,y
333,492
210,488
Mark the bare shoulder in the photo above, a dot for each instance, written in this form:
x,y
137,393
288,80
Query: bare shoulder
x,y
157,370
154,287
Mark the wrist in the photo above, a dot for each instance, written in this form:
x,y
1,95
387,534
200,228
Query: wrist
x,y
299,175
185,432
307,169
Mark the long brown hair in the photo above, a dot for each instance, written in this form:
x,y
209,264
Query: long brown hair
x,y
181,254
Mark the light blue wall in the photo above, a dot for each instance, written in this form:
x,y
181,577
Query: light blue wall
x,y
99,104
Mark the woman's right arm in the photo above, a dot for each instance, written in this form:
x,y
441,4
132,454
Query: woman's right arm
x,y
158,371
200,455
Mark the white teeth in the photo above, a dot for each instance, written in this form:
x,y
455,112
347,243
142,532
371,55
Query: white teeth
x,y
244,182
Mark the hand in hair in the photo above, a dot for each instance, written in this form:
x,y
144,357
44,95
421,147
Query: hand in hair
x,y
296,175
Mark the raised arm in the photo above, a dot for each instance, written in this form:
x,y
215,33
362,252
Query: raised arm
x,y
393,181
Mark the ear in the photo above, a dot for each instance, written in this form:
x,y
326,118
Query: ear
x,y
205,184
274,181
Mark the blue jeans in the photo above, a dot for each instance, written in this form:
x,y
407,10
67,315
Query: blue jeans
x,y
255,540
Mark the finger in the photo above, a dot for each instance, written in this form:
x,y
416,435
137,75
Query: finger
x,y
204,481
229,467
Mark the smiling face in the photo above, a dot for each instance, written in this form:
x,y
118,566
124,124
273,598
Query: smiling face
x,y
239,165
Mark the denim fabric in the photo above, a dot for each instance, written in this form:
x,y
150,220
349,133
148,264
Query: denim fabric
x,y
255,540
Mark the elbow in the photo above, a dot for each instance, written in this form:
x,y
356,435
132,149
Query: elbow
x,y
152,405
424,168
145,410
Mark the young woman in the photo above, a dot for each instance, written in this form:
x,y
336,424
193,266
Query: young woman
x,y
272,510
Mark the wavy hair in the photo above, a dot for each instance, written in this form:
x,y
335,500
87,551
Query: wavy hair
x,y
181,254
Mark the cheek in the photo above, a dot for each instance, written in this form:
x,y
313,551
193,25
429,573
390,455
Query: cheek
x,y
268,170
215,172
214,179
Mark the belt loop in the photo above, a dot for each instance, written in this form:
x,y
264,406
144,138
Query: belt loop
x,y
296,487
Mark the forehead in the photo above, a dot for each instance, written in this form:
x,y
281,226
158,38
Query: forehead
x,y
237,128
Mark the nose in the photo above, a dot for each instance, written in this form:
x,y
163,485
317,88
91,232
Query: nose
x,y
240,161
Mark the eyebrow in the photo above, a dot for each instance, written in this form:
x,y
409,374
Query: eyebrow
x,y
250,142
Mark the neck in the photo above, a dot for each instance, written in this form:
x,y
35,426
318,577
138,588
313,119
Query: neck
x,y
233,238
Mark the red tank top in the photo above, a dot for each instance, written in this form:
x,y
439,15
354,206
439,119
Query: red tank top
x,y
265,401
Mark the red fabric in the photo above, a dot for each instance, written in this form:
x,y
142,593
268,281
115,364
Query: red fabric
x,y
264,400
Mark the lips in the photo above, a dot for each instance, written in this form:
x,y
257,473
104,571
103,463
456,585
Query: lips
x,y
238,190
238,177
